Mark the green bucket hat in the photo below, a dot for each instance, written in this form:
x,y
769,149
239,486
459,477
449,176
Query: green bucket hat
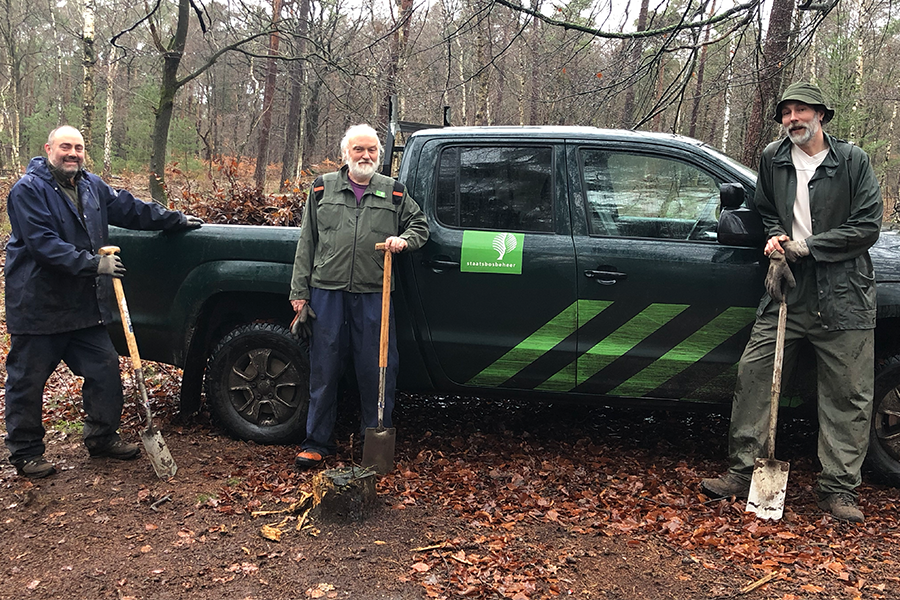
x,y
806,93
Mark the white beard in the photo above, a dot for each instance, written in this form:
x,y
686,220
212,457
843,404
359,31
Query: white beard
x,y
362,170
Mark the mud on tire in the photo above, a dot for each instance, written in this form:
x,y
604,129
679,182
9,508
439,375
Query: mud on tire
x,y
257,383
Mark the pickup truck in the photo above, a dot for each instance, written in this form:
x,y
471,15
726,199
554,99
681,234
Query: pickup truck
x,y
611,267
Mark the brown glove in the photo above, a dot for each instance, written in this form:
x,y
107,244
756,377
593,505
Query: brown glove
x,y
779,275
794,251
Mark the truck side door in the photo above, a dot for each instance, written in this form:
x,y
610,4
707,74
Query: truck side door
x,y
667,310
496,279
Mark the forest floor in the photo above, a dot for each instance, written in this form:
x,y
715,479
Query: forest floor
x,y
489,499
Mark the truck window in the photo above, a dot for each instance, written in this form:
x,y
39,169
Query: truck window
x,y
496,187
634,195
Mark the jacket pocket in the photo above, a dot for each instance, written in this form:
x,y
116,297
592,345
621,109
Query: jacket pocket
x,y
381,219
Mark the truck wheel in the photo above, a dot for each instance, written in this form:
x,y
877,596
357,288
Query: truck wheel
x,y
884,439
258,384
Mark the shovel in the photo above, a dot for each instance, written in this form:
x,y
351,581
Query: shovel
x,y
157,450
769,482
378,448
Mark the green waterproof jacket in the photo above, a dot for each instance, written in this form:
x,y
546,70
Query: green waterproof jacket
x,y
336,249
846,210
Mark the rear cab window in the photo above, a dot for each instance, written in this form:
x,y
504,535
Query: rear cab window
x,y
502,188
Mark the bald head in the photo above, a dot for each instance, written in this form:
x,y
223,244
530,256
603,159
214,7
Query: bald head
x,y
65,150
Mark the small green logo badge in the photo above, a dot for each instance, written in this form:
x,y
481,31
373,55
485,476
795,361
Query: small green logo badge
x,y
380,194
492,252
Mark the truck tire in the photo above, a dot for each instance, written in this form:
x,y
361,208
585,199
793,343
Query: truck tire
x,y
884,439
258,384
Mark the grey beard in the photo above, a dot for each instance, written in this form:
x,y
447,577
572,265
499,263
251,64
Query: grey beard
x,y
362,171
809,130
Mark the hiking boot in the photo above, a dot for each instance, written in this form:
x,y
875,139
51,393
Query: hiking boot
x,y
308,459
842,506
726,486
119,449
34,468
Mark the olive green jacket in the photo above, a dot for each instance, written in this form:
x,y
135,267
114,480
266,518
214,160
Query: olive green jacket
x,y
846,210
336,249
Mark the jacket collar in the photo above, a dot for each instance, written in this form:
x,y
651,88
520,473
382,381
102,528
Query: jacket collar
x,y
39,167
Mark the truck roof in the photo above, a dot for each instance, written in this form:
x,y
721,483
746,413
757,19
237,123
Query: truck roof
x,y
554,131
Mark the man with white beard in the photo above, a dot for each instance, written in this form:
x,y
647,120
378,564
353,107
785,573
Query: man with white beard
x,y
821,205
338,272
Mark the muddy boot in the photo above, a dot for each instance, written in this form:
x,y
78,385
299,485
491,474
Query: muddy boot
x,y
842,507
726,486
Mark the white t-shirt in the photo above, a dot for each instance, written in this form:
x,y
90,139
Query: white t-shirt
x,y
805,166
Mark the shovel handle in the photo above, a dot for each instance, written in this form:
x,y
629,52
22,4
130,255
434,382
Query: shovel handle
x,y
776,378
385,306
123,310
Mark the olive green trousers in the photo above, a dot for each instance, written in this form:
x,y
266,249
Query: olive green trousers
x,y
845,378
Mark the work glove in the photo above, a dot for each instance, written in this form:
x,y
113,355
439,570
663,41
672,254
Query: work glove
x,y
300,326
192,222
794,251
111,264
779,275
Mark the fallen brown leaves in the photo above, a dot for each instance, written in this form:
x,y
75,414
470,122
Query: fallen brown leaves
x,y
501,488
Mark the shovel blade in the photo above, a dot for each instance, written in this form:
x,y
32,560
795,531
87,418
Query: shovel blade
x,y
378,449
768,488
159,454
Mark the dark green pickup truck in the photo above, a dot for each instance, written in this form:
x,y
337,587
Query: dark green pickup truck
x,y
603,266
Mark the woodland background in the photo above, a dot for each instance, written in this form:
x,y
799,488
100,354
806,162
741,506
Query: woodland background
x,y
274,83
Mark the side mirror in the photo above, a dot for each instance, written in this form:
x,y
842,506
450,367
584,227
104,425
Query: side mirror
x,y
731,195
738,225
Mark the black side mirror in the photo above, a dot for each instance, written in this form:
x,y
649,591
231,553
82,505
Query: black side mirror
x,y
731,195
738,225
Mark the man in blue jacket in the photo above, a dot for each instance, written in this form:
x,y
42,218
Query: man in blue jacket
x,y
58,296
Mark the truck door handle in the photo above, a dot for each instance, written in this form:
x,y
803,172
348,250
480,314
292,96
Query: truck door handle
x,y
440,263
605,277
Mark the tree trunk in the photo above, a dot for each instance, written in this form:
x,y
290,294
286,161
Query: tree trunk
x,y
771,82
167,89
481,67
726,113
293,128
398,46
698,91
87,101
59,60
637,50
312,121
265,126
110,107
11,94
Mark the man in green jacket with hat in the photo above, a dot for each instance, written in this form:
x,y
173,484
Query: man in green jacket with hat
x,y
821,205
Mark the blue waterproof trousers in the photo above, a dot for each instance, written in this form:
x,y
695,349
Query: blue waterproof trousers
x,y
346,325
89,353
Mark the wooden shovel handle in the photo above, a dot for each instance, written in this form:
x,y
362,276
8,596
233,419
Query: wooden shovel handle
x,y
123,310
385,306
776,379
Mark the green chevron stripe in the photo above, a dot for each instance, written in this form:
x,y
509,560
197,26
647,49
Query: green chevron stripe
x,y
613,346
564,379
625,338
539,343
561,381
691,350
